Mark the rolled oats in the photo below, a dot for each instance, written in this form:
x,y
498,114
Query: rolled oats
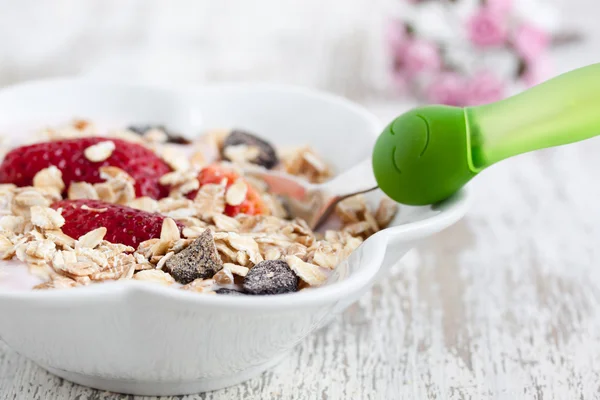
x,y
100,151
145,204
154,276
236,269
49,179
91,239
309,273
46,218
82,190
223,277
210,201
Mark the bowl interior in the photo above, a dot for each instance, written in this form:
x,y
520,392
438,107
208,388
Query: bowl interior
x,y
337,129
340,131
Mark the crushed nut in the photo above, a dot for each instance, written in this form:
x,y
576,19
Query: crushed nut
x,y
236,193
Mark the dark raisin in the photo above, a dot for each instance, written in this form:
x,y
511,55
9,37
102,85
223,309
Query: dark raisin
x,y
229,291
171,136
267,156
270,277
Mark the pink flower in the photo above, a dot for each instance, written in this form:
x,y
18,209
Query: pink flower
x,y
396,37
420,56
448,88
499,6
537,71
487,28
485,87
531,42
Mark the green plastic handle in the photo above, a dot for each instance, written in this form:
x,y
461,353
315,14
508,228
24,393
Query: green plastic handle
x,y
429,153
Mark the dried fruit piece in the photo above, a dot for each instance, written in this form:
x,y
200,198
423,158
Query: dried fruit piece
x,y
22,164
218,175
267,156
270,277
199,260
151,130
232,292
124,225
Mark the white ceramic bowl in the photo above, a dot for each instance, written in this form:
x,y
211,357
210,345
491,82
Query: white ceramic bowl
x,y
146,339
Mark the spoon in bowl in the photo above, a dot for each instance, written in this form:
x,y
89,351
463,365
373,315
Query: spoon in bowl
x,y
429,153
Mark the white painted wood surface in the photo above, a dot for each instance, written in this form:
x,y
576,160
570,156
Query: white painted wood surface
x,y
504,305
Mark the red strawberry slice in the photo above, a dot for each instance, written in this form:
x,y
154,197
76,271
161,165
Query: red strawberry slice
x,y
21,164
123,224
252,205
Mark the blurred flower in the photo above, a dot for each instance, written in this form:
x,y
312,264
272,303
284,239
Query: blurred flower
x,y
487,28
420,56
537,71
499,6
448,88
531,42
485,87
396,36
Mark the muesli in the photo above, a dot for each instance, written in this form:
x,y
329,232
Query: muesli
x,y
80,207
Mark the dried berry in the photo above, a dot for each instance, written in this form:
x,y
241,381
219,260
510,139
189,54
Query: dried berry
x,y
270,277
199,260
22,164
171,137
229,291
124,224
267,156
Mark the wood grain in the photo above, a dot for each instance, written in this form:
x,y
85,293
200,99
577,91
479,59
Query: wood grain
x,y
504,305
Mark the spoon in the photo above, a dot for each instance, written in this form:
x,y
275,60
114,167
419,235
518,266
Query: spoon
x,y
429,153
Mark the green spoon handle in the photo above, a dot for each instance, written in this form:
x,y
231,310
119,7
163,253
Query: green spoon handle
x,y
562,110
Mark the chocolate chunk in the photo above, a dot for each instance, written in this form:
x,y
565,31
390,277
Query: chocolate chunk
x,y
229,291
270,277
171,137
267,156
199,260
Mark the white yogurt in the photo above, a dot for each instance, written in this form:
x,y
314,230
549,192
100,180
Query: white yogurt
x,y
15,276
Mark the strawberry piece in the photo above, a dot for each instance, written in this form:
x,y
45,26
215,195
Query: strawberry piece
x,y
123,224
252,205
21,164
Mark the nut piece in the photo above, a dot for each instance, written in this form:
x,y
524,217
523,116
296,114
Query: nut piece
x,y
236,193
199,260
386,212
100,151
46,218
229,291
270,277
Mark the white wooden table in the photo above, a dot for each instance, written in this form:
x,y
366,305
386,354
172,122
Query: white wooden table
x,y
504,305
